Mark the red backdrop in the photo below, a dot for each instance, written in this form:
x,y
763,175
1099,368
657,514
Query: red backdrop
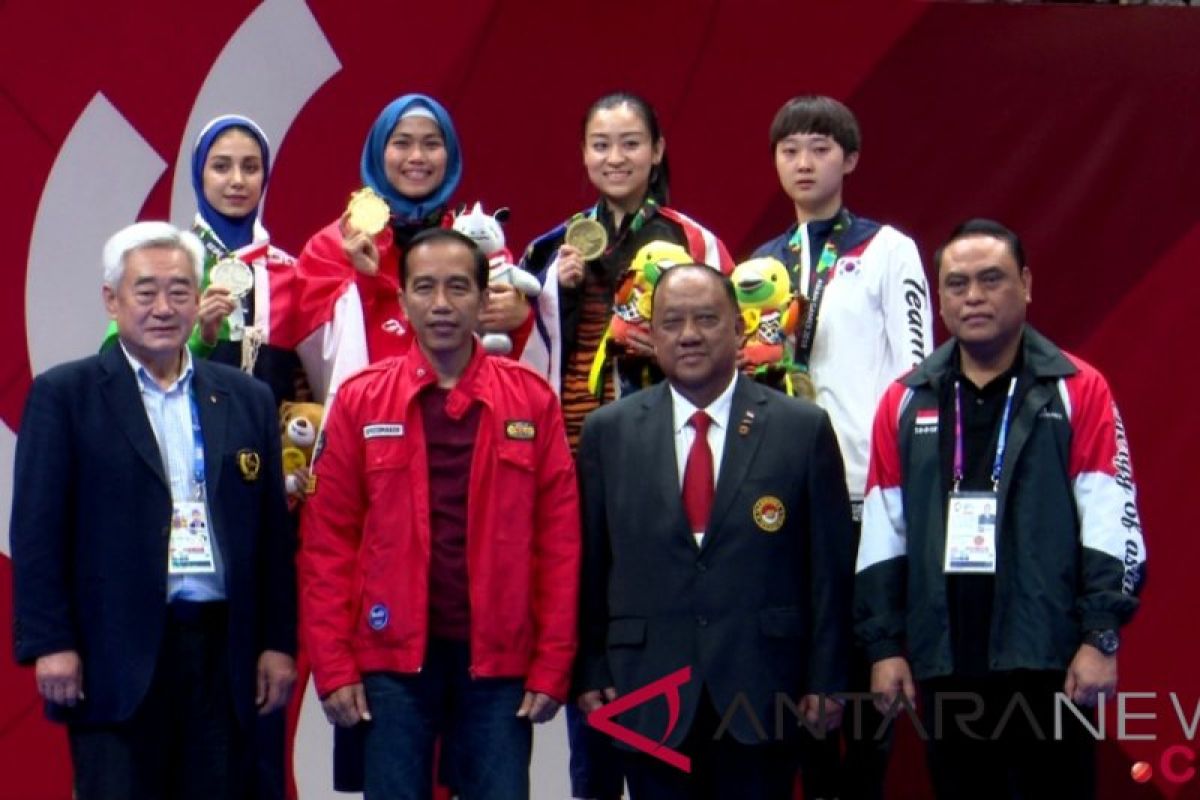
x,y
1077,126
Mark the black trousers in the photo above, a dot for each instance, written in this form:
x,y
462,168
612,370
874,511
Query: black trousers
x,y
184,740
988,745
849,763
721,768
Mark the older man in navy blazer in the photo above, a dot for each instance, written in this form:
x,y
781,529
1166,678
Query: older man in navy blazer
x,y
153,565
718,554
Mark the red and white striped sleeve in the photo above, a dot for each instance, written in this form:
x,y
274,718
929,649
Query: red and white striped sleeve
x,y
1101,474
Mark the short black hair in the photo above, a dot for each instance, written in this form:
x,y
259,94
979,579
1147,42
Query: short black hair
x,y
720,277
978,226
446,235
816,113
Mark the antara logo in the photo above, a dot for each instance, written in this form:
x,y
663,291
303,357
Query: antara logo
x,y
668,686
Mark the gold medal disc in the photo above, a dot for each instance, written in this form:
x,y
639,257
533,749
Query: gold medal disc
x,y
232,274
802,385
588,237
369,212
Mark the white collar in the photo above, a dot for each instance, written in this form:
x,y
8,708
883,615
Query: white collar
x,y
718,410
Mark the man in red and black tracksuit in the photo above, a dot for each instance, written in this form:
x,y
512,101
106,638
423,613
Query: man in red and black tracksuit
x,y
1001,545
440,555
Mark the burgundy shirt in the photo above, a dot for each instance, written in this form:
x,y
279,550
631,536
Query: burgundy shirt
x,y
450,444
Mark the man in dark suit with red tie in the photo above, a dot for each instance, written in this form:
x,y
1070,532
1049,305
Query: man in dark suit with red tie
x,y
718,539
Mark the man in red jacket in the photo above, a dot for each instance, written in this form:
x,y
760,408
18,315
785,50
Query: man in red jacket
x,y
440,558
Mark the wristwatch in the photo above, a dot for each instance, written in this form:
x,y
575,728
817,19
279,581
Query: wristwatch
x,y
1107,641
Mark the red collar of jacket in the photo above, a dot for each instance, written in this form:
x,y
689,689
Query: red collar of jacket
x,y
474,384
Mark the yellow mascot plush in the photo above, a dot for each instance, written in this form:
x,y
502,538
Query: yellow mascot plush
x,y
299,426
771,311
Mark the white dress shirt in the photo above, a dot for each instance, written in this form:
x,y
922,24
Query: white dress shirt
x,y
718,411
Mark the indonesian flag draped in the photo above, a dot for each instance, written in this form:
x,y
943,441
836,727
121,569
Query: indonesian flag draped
x,y
335,318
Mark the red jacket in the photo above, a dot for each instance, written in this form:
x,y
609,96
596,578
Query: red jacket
x,y
364,559
322,269
386,326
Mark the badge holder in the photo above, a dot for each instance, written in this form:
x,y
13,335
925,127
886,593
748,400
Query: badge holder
x,y
971,516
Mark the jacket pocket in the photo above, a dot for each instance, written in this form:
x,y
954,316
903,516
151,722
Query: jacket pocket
x,y
513,492
518,455
781,623
627,632
386,453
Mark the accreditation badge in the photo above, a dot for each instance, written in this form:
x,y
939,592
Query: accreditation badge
x,y
190,547
971,533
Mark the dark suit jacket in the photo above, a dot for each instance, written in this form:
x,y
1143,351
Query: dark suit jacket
x,y
90,524
751,611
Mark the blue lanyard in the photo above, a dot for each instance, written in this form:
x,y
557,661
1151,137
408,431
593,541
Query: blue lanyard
x,y
1001,440
197,448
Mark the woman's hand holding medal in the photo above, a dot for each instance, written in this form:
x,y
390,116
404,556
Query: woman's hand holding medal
x,y
359,248
216,304
366,215
585,240
570,267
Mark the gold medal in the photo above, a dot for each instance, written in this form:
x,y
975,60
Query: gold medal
x,y
802,385
588,237
369,212
233,274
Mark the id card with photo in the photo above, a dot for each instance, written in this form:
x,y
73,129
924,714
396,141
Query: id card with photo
x,y
190,549
971,533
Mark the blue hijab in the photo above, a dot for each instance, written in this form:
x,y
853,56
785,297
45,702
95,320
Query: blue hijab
x,y
234,232
407,209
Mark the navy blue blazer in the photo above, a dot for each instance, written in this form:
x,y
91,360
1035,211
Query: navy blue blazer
x,y
91,519
761,608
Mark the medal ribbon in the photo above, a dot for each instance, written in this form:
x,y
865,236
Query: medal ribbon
x,y
214,251
647,210
1001,440
818,277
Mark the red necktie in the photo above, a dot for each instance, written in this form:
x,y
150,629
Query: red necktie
x,y
698,475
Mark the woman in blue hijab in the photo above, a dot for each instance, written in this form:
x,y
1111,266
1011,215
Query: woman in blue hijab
x,y
413,161
230,164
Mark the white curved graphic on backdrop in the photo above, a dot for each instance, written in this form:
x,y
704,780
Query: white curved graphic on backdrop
x,y
100,179
276,60
8,449
268,70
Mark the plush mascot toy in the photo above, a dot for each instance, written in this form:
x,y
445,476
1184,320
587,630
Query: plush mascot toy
x,y
299,424
631,301
771,312
486,231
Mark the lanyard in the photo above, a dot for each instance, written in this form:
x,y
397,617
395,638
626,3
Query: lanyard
x,y
1001,440
829,252
817,278
197,449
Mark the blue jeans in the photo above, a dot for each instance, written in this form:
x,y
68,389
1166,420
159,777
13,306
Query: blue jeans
x,y
596,769
485,746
